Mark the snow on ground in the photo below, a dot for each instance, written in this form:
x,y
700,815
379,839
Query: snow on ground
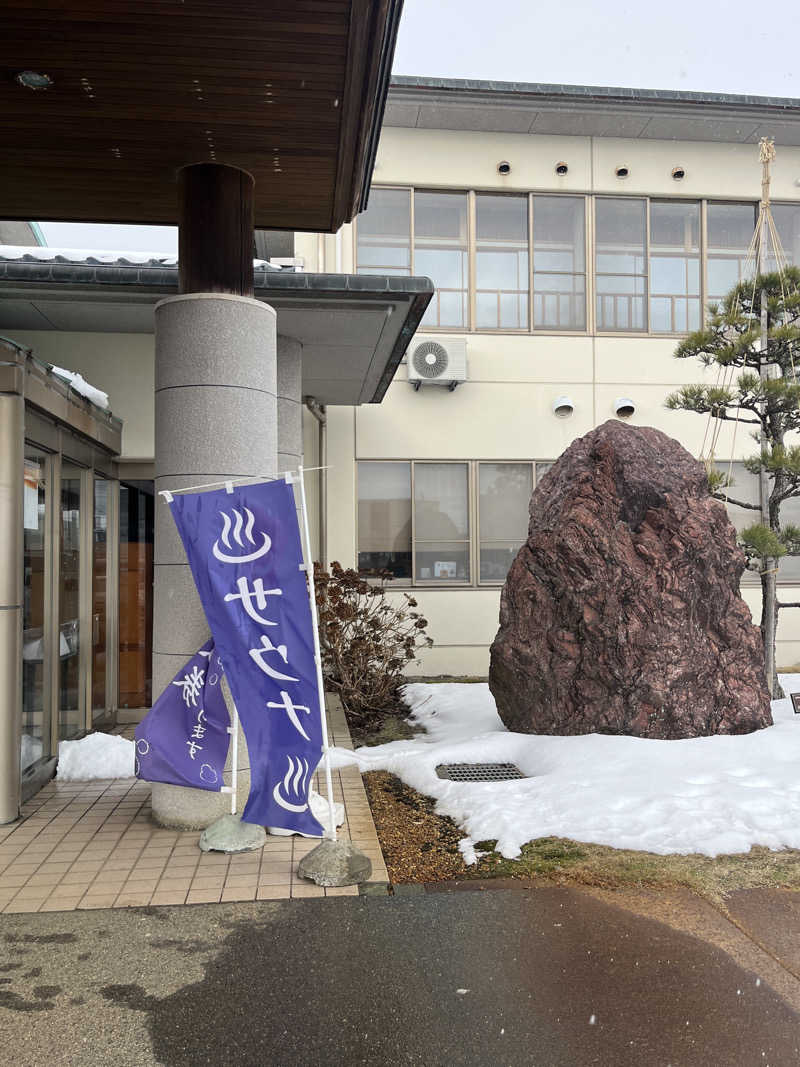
x,y
95,756
712,795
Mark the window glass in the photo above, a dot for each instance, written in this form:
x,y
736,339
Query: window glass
x,y
674,266
789,566
99,593
787,223
384,518
730,231
383,233
69,601
440,253
559,263
441,534
136,513
501,263
35,741
504,496
744,487
621,265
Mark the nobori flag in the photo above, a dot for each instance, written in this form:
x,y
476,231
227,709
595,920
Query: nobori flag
x,y
244,551
183,739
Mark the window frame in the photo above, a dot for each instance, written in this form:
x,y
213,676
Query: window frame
x,y
590,248
701,262
588,267
473,263
619,331
473,542
705,257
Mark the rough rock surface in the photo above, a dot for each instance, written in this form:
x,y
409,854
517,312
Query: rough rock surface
x,y
621,613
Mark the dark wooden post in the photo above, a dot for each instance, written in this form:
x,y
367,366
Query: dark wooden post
x,y
215,232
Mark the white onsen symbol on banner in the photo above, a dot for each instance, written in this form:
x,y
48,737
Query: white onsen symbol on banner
x,y
237,536
257,593
258,656
291,710
296,789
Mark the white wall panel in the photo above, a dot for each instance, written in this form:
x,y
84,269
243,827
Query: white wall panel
x,y
121,364
469,160
486,421
729,171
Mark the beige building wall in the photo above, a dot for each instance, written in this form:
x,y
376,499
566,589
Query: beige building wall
x,y
120,364
504,410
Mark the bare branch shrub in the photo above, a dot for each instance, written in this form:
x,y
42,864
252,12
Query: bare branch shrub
x,y
366,639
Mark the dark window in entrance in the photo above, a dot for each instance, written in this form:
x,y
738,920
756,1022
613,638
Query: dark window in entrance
x,y
136,513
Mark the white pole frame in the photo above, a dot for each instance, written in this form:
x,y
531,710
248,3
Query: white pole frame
x,y
233,730
312,599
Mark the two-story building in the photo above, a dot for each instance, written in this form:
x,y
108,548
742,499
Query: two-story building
x,y
574,235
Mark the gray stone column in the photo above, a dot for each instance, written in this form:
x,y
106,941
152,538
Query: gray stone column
x,y
12,441
290,404
215,418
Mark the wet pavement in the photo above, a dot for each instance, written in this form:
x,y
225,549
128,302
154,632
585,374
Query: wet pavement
x,y
545,977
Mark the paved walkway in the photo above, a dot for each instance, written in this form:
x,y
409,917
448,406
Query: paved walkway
x,y
542,978
94,845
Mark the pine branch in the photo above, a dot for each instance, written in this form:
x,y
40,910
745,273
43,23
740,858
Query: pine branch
x,y
738,503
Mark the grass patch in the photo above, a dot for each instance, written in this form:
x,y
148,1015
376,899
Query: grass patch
x,y
561,861
422,846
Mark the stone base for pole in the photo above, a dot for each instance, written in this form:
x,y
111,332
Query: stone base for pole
x,y
335,863
229,834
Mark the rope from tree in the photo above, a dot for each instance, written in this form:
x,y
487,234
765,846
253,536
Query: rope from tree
x,y
758,254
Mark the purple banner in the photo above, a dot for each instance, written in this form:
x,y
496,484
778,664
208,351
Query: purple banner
x,y
244,551
183,739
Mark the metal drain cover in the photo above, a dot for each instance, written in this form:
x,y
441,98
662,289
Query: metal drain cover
x,y
479,772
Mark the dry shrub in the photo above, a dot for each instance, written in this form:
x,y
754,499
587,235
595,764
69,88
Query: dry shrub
x,y
366,639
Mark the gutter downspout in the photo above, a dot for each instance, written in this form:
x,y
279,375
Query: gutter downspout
x,y
318,411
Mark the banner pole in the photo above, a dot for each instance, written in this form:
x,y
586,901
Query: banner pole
x,y
317,654
234,758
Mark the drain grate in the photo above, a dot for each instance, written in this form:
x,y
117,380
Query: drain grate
x,y
479,772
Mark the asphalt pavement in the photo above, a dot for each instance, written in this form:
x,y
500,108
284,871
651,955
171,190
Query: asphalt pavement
x,y
541,978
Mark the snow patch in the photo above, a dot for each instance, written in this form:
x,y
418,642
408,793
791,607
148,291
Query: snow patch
x,y
709,795
80,385
95,756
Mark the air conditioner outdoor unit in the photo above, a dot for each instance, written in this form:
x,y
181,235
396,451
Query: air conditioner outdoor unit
x,y
437,362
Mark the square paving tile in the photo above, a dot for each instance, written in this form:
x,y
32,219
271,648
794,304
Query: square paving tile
x,y
92,844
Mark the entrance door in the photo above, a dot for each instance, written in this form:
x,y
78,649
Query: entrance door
x,y
99,597
71,716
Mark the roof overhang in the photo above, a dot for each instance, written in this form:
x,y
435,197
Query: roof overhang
x,y
290,90
354,329
591,111
22,374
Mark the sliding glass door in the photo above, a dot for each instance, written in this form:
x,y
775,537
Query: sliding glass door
x,y
71,721
35,742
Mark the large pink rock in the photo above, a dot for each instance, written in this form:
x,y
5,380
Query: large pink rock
x,y
621,613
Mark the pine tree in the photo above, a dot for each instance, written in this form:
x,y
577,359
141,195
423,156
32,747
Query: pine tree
x,y
767,403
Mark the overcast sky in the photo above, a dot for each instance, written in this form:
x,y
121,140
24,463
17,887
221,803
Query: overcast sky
x,y
702,45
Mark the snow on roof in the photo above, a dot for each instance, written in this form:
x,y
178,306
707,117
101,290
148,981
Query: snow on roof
x,y
95,257
81,386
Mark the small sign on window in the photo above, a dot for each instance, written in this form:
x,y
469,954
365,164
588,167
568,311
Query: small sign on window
x,y
444,569
796,702
33,474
